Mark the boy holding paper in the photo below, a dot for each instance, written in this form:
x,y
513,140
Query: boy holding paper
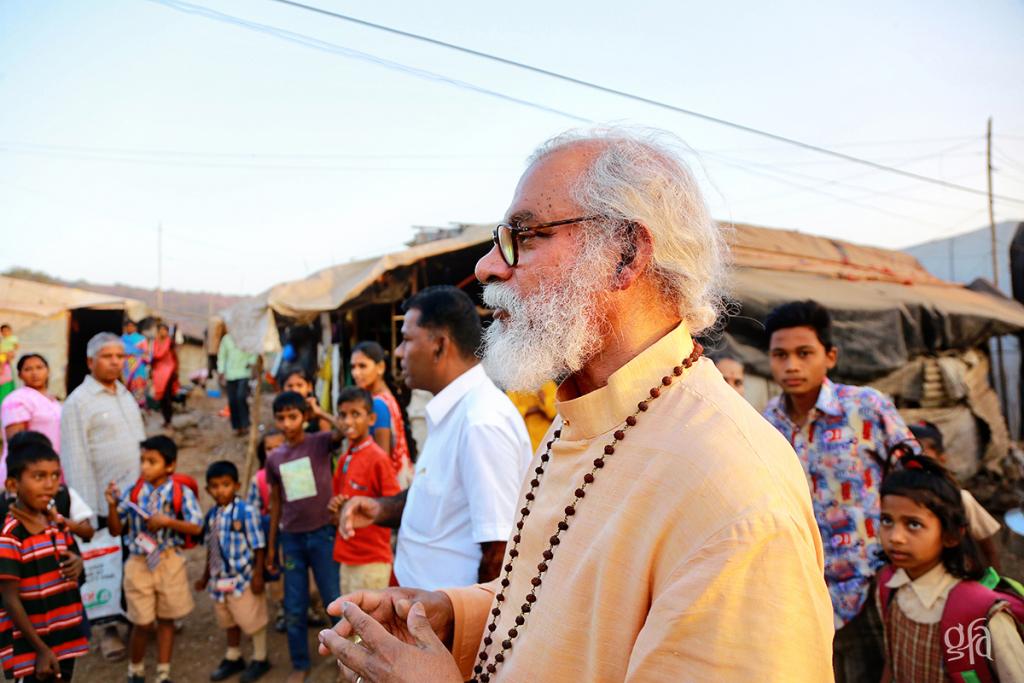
x,y
300,477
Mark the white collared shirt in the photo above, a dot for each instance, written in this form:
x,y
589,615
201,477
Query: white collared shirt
x,y
466,484
100,433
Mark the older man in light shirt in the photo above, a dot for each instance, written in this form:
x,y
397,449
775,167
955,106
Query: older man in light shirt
x,y
665,531
100,432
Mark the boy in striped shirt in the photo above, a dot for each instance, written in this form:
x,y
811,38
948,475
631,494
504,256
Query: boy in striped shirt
x,y
41,631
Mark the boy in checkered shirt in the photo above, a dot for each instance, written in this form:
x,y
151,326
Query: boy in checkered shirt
x,y
235,549
155,514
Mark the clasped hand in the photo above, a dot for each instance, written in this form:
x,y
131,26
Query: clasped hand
x,y
401,637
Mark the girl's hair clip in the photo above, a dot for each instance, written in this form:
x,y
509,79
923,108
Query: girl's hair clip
x,y
913,464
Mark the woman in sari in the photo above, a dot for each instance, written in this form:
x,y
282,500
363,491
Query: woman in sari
x,y
165,371
136,357
368,370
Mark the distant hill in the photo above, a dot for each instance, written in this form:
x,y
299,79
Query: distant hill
x,y
190,310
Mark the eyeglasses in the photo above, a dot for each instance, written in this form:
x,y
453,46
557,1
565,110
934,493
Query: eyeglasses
x,y
507,236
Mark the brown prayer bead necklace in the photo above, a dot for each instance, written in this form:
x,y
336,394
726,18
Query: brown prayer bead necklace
x,y
484,669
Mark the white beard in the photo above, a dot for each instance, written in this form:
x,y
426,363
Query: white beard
x,y
547,335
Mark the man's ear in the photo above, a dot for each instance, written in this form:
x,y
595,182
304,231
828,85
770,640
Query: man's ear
x,y
832,357
440,345
636,254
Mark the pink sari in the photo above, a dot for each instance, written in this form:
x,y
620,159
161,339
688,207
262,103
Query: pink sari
x,y
165,368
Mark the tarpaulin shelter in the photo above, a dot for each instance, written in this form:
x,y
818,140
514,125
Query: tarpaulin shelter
x,y
890,313
58,321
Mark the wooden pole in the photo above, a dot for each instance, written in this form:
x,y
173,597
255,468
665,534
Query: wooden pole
x,y
995,262
254,423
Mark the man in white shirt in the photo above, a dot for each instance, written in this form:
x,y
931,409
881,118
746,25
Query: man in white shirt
x,y
100,431
459,511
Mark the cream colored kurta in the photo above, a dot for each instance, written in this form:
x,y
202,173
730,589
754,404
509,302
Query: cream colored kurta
x,y
694,556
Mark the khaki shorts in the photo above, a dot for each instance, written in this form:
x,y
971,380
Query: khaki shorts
x,y
163,593
374,576
247,611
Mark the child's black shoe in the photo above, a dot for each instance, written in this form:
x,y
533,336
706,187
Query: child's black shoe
x,y
255,671
136,679
227,669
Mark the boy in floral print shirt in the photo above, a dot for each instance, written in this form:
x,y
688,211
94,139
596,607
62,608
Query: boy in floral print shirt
x,y
841,434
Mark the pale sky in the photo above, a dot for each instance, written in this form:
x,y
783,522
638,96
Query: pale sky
x,y
265,159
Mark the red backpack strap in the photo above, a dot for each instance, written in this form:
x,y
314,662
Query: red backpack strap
x,y
884,592
963,629
176,496
134,495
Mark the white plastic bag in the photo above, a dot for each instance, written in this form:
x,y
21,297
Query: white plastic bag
x,y
104,570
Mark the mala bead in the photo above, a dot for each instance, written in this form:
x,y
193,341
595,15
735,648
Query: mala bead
x,y
484,672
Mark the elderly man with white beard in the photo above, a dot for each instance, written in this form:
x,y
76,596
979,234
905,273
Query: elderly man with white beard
x,y
665,530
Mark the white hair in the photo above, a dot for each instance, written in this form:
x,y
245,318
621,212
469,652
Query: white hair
x,y
102,339
638,176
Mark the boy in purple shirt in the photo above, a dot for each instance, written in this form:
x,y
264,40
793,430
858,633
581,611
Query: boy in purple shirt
x,y
300,478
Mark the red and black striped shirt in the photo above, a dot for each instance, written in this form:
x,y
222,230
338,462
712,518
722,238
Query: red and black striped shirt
x,y
53,603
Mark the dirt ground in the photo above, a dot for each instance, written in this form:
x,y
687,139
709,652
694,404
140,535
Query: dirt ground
x,y
204,437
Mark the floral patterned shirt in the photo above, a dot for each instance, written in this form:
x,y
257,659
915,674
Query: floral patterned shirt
x,y
841,448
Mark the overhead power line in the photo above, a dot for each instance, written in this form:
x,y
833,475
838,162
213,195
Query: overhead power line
x,y
646,100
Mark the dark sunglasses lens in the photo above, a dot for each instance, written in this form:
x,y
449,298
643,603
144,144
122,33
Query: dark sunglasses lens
x,y
507,244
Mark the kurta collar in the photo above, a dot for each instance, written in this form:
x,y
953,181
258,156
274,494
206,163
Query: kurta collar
x,y
604,409
446,399
934,584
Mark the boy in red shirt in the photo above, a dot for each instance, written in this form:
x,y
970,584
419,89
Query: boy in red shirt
x,y
364,470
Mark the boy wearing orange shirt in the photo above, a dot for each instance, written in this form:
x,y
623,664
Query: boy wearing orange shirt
x,y
364,470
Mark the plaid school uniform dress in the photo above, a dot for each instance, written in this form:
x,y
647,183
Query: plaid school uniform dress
x,y
157,500
233,535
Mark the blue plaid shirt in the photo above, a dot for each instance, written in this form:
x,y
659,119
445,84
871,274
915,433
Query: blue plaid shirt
x,y
239,535
157,500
